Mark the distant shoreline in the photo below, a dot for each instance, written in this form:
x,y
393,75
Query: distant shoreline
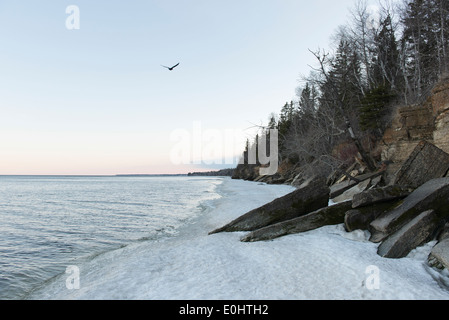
x,y
223,172
151,175
92,175
217,173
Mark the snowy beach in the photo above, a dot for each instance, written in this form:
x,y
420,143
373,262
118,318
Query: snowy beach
x,y
327,263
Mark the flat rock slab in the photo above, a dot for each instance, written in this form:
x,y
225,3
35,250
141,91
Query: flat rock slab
x,y
377,195
326,216
360,218
439,256
339,188
356,189
415,233
313,196
433,194
426,162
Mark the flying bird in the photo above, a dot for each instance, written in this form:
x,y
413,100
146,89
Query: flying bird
x,y
171,68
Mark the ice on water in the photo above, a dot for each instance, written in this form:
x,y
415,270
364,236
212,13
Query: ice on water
x,y
327,263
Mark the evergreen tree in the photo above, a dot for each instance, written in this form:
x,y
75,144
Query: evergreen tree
x,y
285,118
385,67
272,122
307,100
424,44
385,78
345,75
373,108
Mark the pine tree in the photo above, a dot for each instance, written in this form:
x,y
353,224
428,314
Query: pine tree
x,y
285,118
345,74
272,122
386,72
424,44
307,100
373,107
385,78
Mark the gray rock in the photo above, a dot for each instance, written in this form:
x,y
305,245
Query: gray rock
x,y
426,162
360,218
433,194
338,188
418,231
444,234
383,194
439,256
313,196
349,194
326,216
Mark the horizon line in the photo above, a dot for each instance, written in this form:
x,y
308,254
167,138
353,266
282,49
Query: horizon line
x,y
108,175
93,175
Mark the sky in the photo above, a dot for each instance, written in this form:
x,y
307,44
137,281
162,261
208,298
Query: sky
x,y
83,91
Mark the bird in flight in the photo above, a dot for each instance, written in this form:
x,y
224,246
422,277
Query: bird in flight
x,y
171,68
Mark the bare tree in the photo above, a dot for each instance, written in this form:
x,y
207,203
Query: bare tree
x,y
337,100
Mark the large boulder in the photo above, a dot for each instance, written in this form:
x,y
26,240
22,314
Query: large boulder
x,y
426,162
418,231
325,216
309,198
433,194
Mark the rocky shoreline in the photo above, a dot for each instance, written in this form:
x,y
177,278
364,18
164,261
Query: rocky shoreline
x,y
407,212
403,204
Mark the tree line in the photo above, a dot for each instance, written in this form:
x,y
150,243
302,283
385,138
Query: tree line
x,y
378,62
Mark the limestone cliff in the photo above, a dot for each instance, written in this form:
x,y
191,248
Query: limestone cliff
x,y
412,124
409,126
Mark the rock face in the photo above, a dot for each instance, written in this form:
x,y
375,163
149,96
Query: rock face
x,y
440,108
411,124
433,194
311,197
418,231
426,162
326,216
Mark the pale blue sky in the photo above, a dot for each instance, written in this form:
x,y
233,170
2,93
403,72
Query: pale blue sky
x,y
97,101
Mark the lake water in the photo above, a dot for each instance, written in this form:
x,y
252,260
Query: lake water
x,y
50,222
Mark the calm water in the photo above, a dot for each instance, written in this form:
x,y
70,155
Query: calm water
x,y
49,222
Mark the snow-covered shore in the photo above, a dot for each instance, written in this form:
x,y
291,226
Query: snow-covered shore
x,y
327,263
